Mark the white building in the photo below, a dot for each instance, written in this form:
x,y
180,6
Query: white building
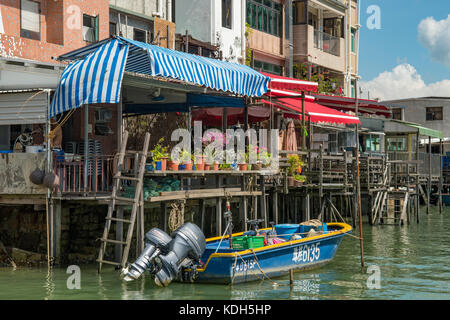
x,y
219,22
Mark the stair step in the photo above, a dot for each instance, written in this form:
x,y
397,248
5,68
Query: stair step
x,y
119,220
124,199
108,262
113,241
126,178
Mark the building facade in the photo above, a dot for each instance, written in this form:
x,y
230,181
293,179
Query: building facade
x,y
144,21
431,112
325,41
218,22
267,40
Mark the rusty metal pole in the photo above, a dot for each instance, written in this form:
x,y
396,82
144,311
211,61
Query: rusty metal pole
x,y
358,182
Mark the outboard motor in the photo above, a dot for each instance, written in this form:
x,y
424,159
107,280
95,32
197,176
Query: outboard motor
x,y
157,242
189,242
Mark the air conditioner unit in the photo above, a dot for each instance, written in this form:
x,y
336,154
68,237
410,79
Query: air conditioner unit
x,y
102,130
103,115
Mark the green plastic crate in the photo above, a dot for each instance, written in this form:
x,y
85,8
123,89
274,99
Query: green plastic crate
x,y
248,242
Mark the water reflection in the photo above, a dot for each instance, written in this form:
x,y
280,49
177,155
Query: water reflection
x,y
49,284
413,261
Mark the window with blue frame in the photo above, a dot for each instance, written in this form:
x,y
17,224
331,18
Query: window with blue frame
x,y
265,16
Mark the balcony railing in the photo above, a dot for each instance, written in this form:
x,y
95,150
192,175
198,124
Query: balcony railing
x,y
326,42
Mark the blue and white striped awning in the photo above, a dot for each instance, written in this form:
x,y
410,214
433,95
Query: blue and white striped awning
x,y
95,79
95,71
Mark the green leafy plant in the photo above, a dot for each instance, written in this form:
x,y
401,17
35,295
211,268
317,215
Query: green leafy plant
x,y
186,156
159,152
294,169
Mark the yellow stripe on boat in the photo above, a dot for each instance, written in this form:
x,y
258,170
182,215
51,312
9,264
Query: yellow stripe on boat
x,y
345,229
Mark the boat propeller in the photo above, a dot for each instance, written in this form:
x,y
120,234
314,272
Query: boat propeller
x,y
164,256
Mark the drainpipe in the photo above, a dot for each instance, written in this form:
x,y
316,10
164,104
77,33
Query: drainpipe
x,y
243,27
357,36
291,44
349,49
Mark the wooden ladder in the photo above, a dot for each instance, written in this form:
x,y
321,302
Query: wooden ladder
x,y
117,201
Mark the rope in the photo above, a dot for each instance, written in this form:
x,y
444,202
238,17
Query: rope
x,y
176,217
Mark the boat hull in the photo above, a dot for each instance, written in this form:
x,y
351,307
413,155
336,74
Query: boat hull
x,y
272,261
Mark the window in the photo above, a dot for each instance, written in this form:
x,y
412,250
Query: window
x,y
30,20
90,28
226,13
265,16
112,28
353,89
397,144
372,143
353,44
139,35
397,113
268,67
434,113
299,12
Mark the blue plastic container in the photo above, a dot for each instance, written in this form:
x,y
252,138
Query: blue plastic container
x,y
181,167
285,231
6,151
158,165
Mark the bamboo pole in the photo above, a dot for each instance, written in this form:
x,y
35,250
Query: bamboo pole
x,y
429,175
441,153
358,182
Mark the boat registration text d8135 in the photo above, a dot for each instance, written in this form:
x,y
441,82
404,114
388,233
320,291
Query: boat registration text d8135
x,y
306,253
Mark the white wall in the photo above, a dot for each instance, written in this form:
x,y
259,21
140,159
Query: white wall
x,y
147,7
203,20
230,40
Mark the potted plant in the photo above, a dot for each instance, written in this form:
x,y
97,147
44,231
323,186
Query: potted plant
x,y
212,158
265,157
160,156
186,159
199,160
243,166
295,170
225,166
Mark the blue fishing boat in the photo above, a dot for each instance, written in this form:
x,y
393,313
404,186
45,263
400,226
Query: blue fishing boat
x,y
224,265
186,255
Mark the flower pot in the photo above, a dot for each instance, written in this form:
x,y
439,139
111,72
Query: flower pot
x,y
200,166
207,167
256,166
173,165
188,166
294,183
161,165
243,166
215,167
181,167
299,170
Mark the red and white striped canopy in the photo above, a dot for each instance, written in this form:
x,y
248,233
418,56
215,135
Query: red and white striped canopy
x,y
285,83
313,111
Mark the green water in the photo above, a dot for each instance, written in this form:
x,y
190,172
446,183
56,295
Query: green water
x,y
414,263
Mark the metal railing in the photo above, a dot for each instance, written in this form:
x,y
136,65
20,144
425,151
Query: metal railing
x,y
424,158
326,42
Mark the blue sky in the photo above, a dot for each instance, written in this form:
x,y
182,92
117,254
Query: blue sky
x,y
422,55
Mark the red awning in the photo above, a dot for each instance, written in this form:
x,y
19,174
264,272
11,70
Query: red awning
x,y
285,94
313,111
213,116
348,104
285,83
